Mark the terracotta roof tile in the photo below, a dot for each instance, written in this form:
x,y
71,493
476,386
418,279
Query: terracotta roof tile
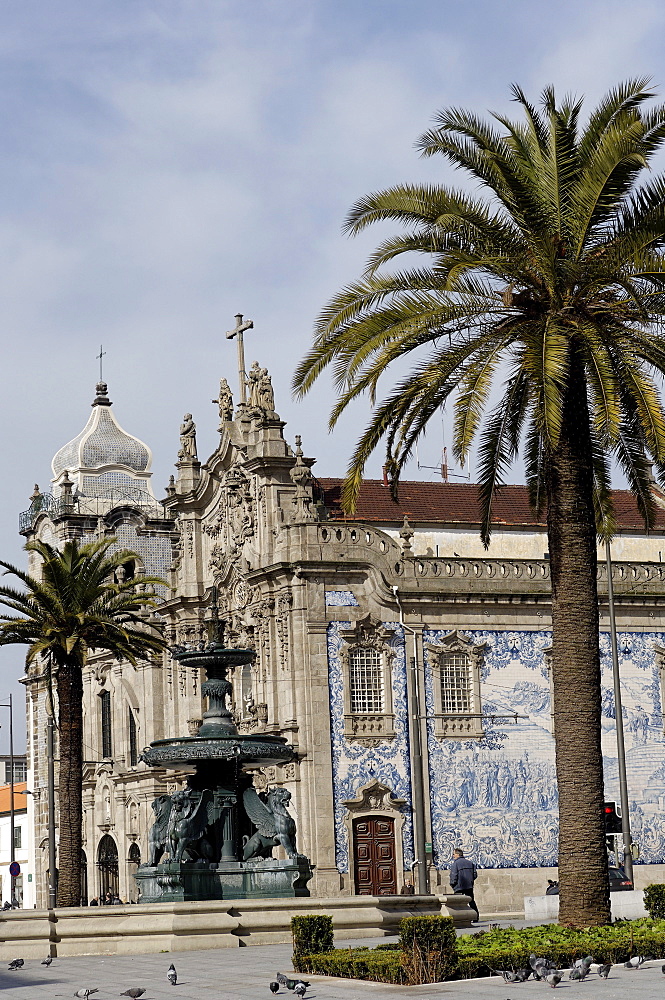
x,y
20,801
456,503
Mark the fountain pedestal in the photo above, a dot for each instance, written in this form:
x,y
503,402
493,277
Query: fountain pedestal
x,y
219,834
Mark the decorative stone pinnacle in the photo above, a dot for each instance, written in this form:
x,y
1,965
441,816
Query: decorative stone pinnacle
x,y
406,534
102,397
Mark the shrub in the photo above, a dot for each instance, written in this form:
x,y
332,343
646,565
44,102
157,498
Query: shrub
x,y
312,934
654,901
429,948
354,963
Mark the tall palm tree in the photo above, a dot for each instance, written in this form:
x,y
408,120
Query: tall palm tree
x,y
72,609
550,283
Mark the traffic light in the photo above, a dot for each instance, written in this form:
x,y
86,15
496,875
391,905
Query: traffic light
x,y
612,818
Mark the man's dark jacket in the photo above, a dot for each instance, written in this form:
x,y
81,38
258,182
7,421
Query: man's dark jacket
x,y
462,875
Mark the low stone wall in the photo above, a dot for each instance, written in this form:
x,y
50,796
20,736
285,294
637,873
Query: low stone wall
x,y
624,906
155,927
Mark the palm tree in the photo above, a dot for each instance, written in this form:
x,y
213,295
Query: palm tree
x,y
75,607
548,287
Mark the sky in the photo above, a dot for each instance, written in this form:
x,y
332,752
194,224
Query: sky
x,y
166,165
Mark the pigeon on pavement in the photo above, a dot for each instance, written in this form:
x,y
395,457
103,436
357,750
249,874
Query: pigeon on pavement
x,y
84,994
274,987
172,975
300,989
553,979
634,962
17,963
604,970
579,973
134,992
508,975
281,978
47,960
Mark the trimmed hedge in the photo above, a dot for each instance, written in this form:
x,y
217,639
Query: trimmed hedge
x,y
312,934
506,948
428,948
654,901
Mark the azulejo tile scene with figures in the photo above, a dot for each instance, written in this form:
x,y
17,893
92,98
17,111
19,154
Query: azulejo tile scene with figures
x,y
359,628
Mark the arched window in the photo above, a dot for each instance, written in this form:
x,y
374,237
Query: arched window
x,y
133,862
133,757
105,723
107,862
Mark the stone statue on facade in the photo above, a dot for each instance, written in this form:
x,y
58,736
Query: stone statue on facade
x,y
274,824
187,451
225,402
255,375
266,392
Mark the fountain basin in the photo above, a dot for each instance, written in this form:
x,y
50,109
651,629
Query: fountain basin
x,y
248,750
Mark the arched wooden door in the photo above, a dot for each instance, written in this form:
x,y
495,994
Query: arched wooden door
x,y
374,865
107,862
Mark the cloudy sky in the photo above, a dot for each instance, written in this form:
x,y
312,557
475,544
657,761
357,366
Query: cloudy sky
x,y
168,163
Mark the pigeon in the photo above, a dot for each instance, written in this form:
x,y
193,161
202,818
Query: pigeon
x,y
172,975
84,994
508,975
17,963
634,962
47,960
134,992
281,978
274,987
588,961
579,973
553,979
300,989
604,970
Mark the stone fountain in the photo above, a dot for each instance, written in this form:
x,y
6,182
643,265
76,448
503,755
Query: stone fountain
x,y
219,832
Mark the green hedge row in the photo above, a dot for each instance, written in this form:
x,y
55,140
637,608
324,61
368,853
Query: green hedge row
x,y
507,948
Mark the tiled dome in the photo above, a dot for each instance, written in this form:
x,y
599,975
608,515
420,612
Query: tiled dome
x,y
102,443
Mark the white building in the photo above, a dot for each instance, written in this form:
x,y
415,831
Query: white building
x,y
24,884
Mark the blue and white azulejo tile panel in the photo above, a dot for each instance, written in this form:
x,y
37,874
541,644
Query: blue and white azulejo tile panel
x,y
354,764
340,599
497,796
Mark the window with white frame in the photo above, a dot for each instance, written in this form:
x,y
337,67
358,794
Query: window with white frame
x,y
366,680
454,665
367,656
456,683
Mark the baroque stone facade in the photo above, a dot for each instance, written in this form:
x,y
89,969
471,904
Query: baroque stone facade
x,y
346,616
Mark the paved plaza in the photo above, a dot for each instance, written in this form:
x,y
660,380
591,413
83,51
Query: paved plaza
x,y
239,973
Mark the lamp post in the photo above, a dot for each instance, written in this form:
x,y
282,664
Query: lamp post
x,y
618,713
12,817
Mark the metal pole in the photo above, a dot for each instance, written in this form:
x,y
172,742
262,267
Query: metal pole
x,y
419,831
52,876
12,816
618,712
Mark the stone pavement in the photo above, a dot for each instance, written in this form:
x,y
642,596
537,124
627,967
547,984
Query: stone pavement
x,y
244,974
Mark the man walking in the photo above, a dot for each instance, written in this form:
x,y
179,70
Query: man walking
x,y
462,876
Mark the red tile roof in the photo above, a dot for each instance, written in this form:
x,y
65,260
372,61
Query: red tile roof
x,y
20,801
456,503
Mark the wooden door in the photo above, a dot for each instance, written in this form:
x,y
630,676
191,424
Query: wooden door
x,y
374,856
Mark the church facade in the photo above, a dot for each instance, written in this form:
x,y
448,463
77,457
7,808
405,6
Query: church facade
x,y
363,629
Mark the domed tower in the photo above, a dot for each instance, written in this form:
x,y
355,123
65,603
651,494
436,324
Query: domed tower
x,y
101,489
104,461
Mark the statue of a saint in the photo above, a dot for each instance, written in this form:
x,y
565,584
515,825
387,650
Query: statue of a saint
x,y
225,401
187,451
254,376
266,394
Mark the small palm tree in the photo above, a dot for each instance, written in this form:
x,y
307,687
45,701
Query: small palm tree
x,y
551,282
75,608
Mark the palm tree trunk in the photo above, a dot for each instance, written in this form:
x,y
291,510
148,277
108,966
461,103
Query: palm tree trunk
x,y
70,722
571,528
